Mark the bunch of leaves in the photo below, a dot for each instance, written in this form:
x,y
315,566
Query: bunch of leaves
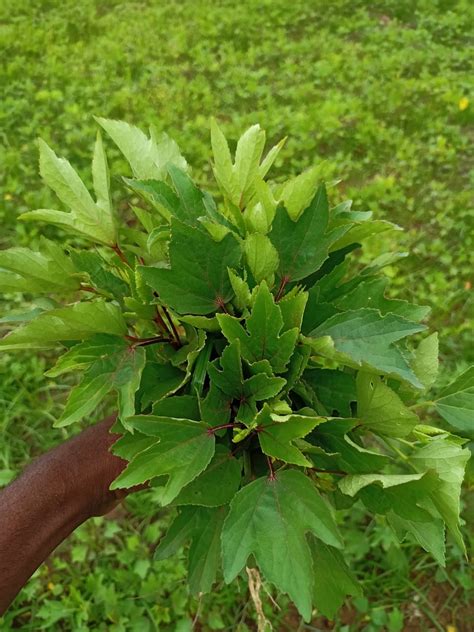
x,y
264,380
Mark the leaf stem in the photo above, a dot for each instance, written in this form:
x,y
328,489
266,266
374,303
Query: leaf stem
x,y
88,288
283,282
337,472
214,429
143,342
172,325
119,252
271,474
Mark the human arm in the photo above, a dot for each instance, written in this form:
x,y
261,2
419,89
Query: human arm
x,y
54,495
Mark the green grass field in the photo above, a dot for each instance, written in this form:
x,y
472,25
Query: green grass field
x,y
380,94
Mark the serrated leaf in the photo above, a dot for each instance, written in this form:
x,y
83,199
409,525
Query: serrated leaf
x,y
342,451
333,580
359,232
85,216
159,381
425,363
182,451
380,409
76,322
85,353
261,256
103,279
197,281
247,161
215,407
48,270
203,527
371,293
241,290
402,498
269,519
223,166
365,339
120,371
148,157
334,389
292,308
226,373
448,460
302,245
218,483
298,192
101,177
276,435
456,402
261,339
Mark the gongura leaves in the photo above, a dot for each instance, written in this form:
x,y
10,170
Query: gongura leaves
x,y
269,519
196,281
366,339
261,369
178,448
261,339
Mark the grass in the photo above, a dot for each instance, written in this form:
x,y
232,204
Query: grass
x,y
380,94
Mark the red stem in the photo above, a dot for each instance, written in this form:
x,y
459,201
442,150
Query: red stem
x,y
119,252
214,429
283,282
271,475
172,325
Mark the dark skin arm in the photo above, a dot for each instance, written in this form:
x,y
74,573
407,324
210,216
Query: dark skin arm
x,y
55,494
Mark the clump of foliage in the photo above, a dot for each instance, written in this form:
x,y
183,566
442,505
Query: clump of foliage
x,y
264,380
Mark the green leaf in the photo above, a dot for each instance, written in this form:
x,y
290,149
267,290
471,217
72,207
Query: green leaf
x,y
101,177
349,456
223,166
292,308
425,363
297,193
261,340
269,519
456,402
148,157
197,282
218,483
448,460
353,483
81,320
100,277
430,535
363,338
230,380
203,527
302,245
182,451
120,371
402,498
159,381
85,216
333,580
334,389
371,293
359,232
49,270
276,435
380,409
240,289
85,353
261,256
247,161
